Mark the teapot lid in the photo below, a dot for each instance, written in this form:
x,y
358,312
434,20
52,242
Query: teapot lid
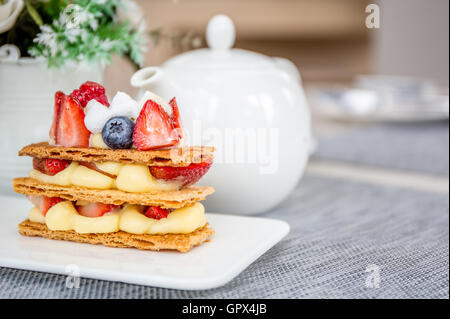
x,y
220,37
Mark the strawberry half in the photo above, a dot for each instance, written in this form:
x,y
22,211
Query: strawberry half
x,y
95,209
156,212
176,118
155,129
44,203
49,202
185,175
68,127
89,91
59,98
49,166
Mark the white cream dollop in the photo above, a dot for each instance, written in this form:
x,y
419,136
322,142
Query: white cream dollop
x,y
155,98
121,105
97,114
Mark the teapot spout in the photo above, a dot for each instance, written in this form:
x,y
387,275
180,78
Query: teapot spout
x,y
149,79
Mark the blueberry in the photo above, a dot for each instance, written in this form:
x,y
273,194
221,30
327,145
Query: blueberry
x,y
118,132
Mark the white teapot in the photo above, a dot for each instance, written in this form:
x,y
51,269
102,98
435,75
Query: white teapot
x,y
251,107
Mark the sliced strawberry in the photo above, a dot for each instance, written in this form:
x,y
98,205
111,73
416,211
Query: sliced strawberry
x,y
44,203
156,212
49,166
68,127
59,98
48,203
89,91
95,168
185,175
95,209
155,128
176,120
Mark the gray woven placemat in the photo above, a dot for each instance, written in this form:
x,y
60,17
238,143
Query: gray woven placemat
x,y
421,147
338,229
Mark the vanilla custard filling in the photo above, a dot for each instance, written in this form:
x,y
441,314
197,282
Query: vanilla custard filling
x,y
63,216
133,178
96,140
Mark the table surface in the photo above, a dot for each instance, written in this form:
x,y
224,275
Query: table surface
x,y
370,219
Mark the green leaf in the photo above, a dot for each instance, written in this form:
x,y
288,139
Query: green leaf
x,y
95,46
33,13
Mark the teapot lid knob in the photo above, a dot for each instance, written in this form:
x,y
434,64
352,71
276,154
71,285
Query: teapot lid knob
x,y
220,33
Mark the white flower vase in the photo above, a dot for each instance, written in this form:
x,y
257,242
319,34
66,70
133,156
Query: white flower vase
x,y
27,89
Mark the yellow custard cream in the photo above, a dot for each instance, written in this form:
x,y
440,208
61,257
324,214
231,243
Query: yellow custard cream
x,y
64,216
96,140
133,178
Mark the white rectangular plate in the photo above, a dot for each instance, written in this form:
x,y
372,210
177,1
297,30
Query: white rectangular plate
x,y
238,242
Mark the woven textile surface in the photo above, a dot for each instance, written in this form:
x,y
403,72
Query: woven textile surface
x,y
420,147
340,231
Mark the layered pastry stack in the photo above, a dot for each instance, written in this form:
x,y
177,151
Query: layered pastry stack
x,y
116,174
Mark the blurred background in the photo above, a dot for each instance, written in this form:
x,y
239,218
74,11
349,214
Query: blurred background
x,y
326,39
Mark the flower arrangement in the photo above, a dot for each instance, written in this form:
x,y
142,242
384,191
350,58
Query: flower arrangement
x,y
73,31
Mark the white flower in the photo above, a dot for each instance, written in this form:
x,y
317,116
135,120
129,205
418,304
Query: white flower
x,y
75,16
100,2
72,34
93,23
47,37
9,12
106,45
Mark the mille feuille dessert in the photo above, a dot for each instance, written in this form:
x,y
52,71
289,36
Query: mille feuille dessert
x,y
116,174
